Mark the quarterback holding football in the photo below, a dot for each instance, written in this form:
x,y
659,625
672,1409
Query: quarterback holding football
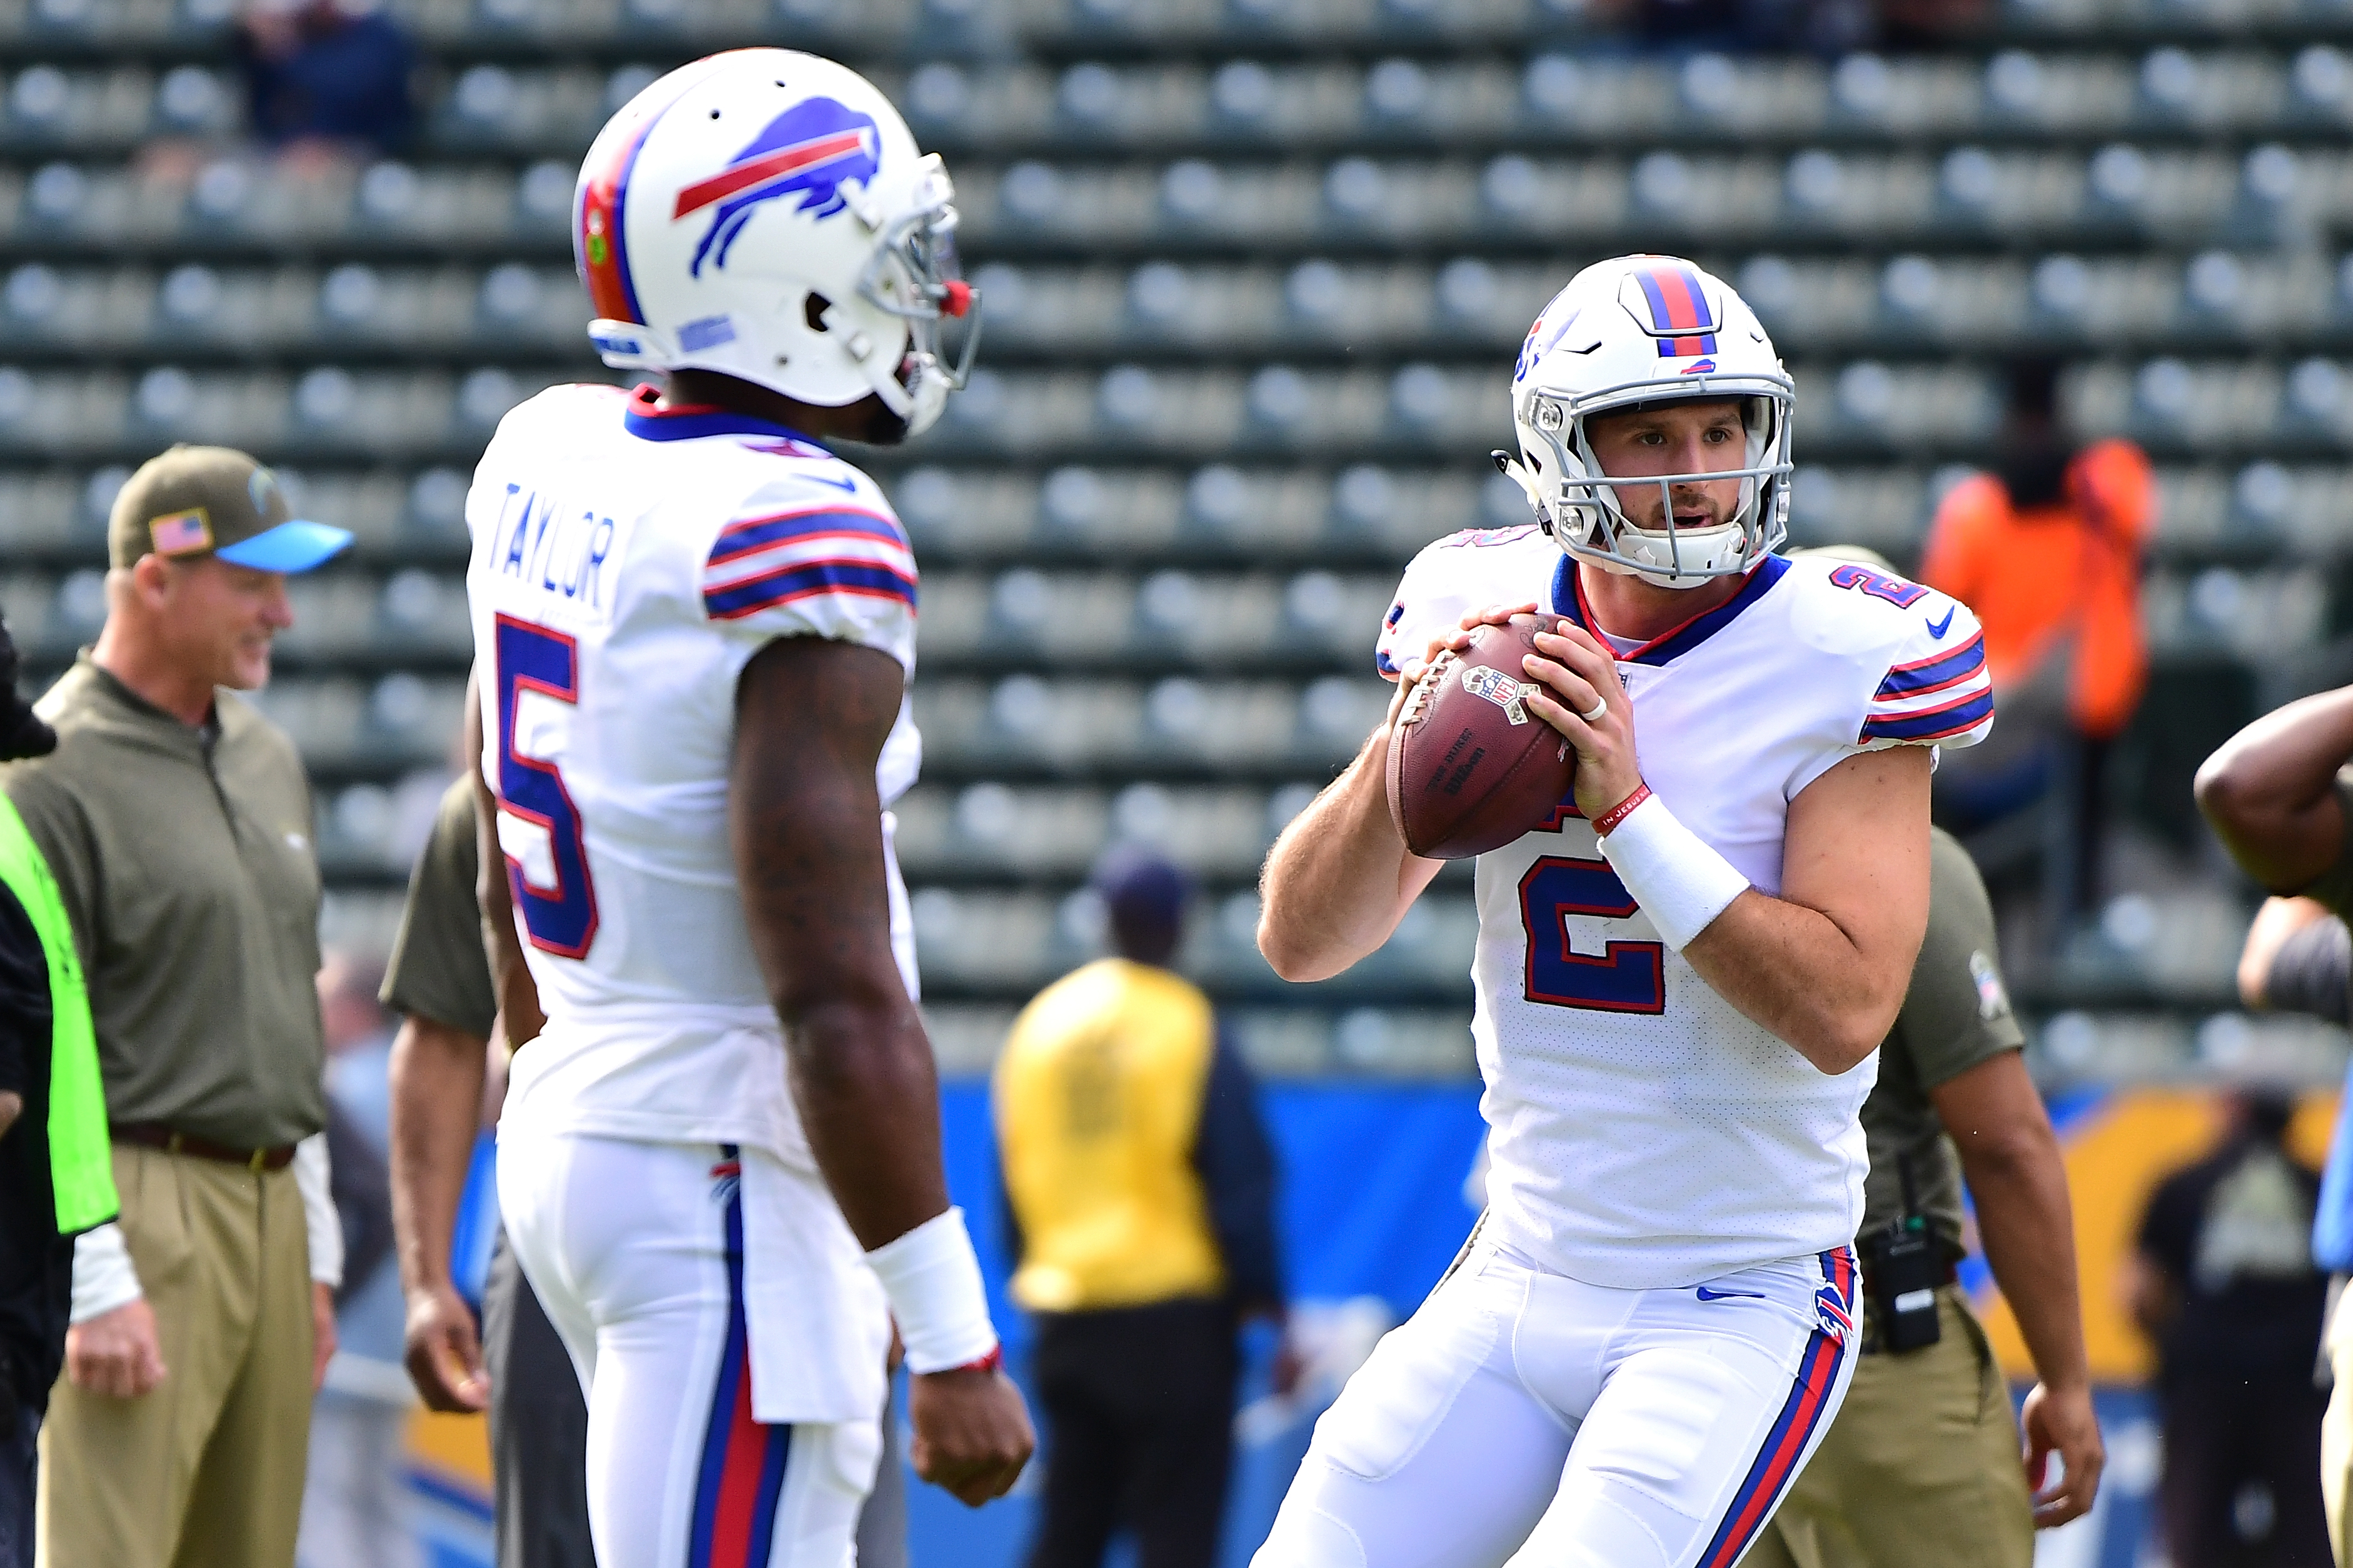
x,y
1682,972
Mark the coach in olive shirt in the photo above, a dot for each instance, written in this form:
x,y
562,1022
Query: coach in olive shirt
x,y
1923,1465
177,823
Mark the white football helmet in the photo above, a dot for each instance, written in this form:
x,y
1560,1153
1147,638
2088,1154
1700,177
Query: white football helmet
x,y
765,214
1643,330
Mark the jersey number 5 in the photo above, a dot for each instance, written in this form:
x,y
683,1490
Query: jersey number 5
x,y
1627,977
560,915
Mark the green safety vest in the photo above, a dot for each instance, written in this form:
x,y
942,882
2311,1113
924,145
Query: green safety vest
x,y
80,1168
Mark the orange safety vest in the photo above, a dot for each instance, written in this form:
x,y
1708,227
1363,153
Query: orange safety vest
x,y
2053,579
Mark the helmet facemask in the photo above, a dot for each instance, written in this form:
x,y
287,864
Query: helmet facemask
x,y
916,275
1578,504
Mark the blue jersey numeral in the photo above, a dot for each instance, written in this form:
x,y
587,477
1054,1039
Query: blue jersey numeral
x,y
1878,584
1627,977
561,919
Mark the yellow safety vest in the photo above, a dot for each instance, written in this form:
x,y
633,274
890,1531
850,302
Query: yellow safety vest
x,y
1098,1101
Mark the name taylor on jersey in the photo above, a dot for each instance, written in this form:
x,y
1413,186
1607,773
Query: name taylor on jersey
x,y
545,540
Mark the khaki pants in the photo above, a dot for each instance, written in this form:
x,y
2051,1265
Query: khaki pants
x,y
1920,1470
206,1471
2337,1432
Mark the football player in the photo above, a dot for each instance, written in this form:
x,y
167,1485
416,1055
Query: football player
x,y
693,629
1682,977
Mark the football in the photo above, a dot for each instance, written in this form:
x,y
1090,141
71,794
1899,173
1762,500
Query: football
x,y
1470,768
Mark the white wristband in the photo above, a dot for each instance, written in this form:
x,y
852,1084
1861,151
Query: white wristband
x,y
103,1278
314,1179
933,1281
1681,883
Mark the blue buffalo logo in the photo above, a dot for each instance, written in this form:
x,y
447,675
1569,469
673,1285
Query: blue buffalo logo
x,y
808,150
1698,367
1829,1309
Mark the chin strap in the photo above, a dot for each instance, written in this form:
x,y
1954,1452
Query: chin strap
x,y
627,345
918,407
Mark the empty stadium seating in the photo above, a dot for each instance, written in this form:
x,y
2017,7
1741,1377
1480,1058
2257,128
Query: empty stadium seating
x,y
1253,270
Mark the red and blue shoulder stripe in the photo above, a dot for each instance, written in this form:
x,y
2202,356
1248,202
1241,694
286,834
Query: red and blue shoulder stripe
x,y
778,558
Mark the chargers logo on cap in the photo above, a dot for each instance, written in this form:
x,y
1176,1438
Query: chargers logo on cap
x,y
807,151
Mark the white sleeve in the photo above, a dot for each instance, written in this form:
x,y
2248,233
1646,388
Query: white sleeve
x,y
1430,600
103,1278
1934,690
1930,689
318,1216
840,569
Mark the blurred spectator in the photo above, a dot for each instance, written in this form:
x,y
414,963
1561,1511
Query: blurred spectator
x,y
327,76
2277,794
352,1506
55,1176
1140,1188
1825,28
2299,958
2222,1281
2046,550
514,1365
177,821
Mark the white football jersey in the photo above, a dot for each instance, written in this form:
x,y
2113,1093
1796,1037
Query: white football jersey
x,y
628,562
1645,1132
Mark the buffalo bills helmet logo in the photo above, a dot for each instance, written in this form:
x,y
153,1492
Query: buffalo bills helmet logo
x,y
808,150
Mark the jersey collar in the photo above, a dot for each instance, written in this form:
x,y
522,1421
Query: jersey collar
x,y
1568,599
649,421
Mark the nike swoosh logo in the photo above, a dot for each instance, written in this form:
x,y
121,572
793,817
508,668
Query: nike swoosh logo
x,y
850,486
1938,628
1707,1295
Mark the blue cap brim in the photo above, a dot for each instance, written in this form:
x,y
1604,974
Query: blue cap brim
x,y
295,546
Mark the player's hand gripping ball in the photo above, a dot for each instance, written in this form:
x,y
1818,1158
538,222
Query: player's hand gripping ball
x,y
1471,767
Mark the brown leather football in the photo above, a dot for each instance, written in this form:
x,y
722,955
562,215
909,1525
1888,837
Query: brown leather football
x,y
1470,768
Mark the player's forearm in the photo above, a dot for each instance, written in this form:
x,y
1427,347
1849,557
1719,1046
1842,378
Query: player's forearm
x,y
2270,793
1338,879
1797,972
2019,1183
863,1078
436,1095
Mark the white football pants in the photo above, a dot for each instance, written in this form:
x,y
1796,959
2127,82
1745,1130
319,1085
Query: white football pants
x,y
1521,1417
636,1251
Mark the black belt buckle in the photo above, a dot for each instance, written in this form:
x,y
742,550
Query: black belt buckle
x,y
1902,1268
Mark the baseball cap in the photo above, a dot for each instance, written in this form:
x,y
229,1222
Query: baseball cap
x,y
200,501
1142,884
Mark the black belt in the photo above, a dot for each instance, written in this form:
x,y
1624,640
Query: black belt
x,y
156,1136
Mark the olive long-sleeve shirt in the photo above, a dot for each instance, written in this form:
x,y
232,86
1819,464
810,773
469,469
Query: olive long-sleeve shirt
x,y
185,860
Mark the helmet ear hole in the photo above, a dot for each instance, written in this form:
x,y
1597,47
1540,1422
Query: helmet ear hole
x,y
813,309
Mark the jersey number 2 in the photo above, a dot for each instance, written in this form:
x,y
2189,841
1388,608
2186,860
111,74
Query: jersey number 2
x,y
1627,977
561,918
